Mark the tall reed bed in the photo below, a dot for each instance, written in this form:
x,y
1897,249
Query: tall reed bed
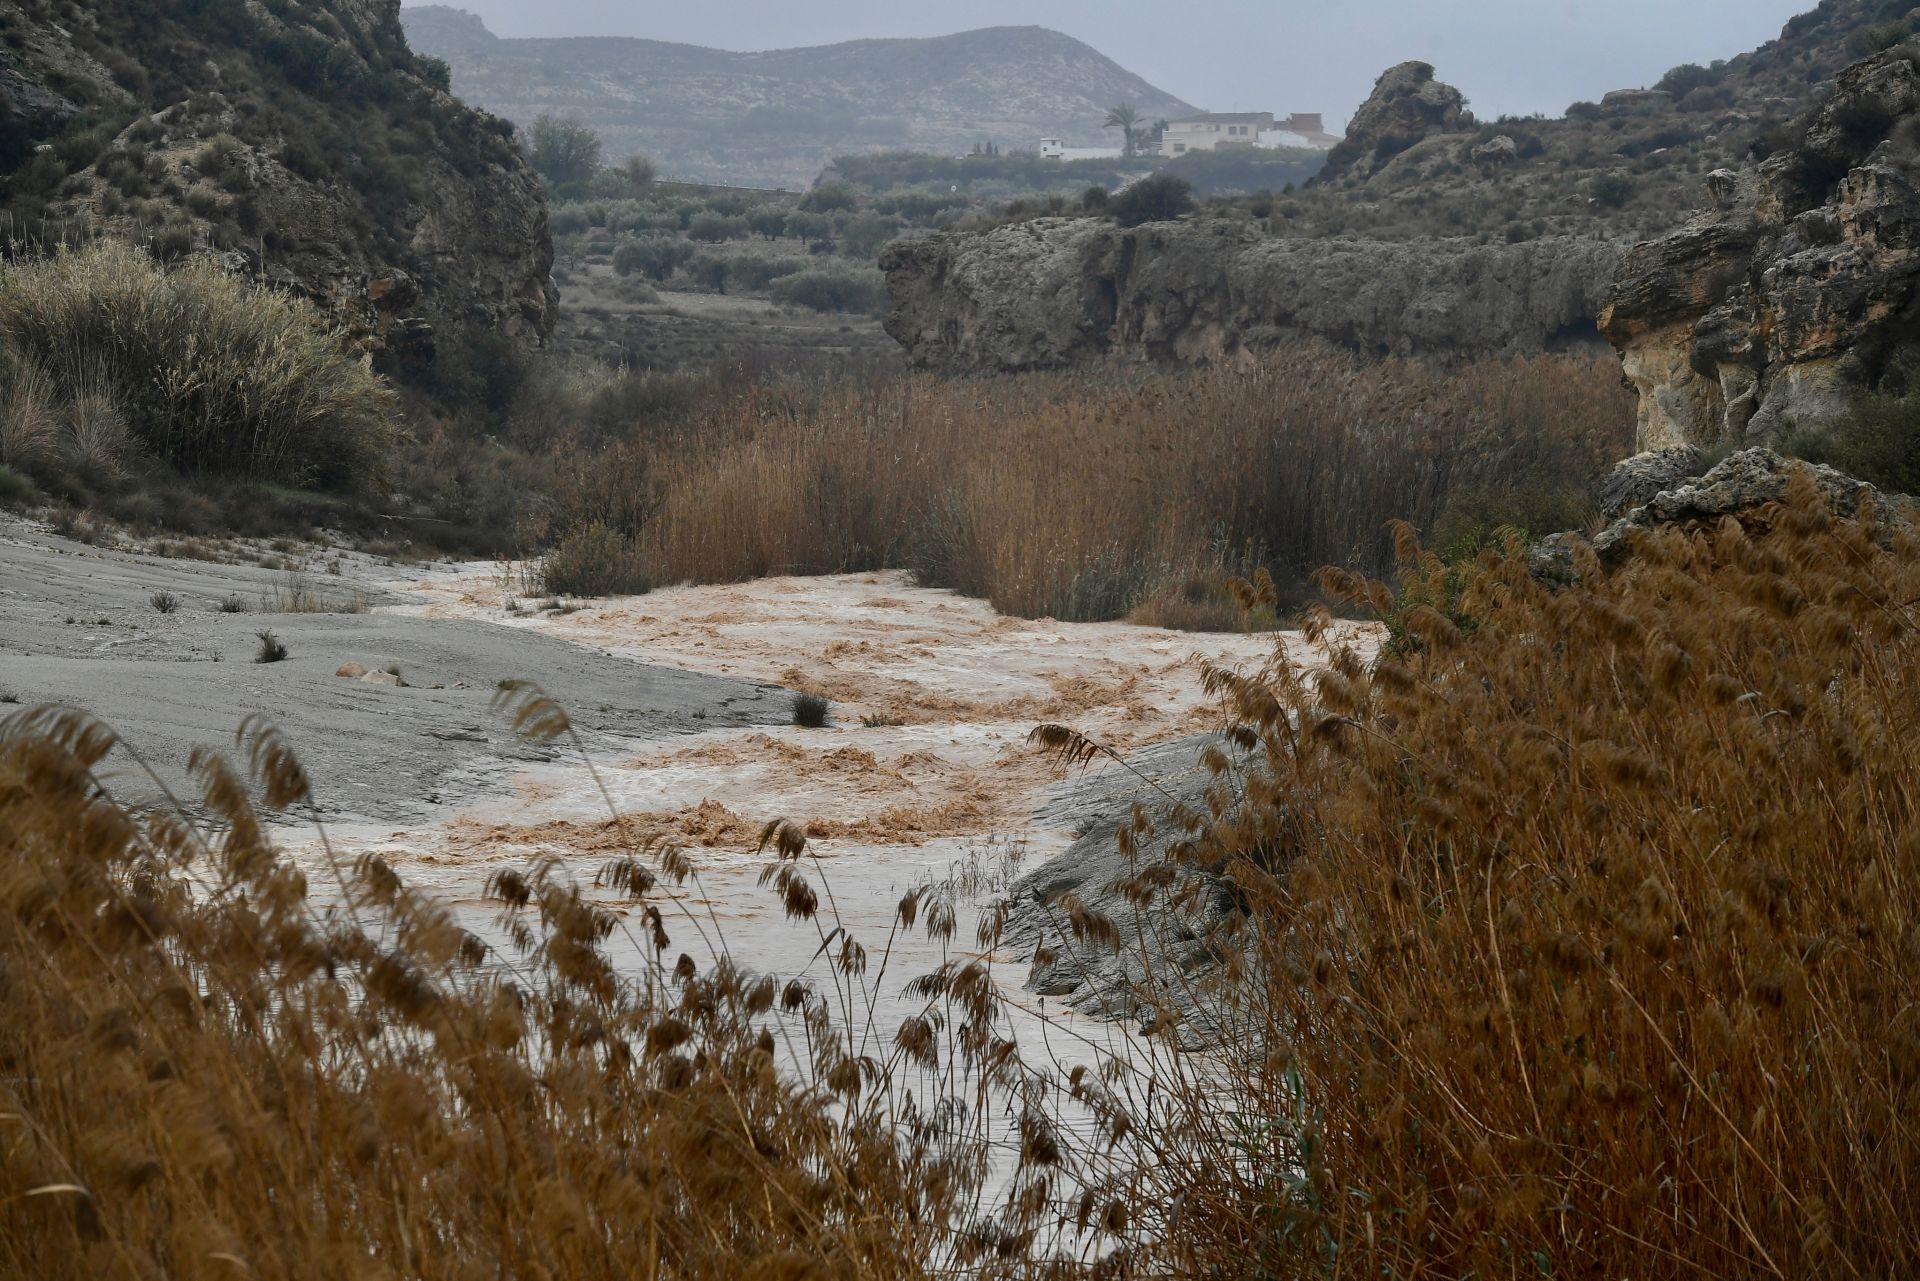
x,y
1084,495
1587,924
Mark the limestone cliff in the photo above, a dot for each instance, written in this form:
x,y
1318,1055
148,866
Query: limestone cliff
x,y
302,143
1057,291
1770,314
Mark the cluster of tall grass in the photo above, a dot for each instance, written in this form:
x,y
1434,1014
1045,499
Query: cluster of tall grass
x,y
1588,928
1087,495
1579,942
190,366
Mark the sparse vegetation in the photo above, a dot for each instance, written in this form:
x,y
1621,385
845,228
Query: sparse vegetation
x,y
270,650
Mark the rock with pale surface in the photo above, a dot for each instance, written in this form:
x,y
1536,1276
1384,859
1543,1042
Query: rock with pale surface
x,y
1771,314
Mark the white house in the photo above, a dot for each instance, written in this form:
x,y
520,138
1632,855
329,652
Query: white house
x,y
1213,130
1055,149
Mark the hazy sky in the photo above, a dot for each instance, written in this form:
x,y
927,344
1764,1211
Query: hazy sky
x,y
1515,56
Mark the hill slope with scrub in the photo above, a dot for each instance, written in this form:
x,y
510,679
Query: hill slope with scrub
x,y
303,143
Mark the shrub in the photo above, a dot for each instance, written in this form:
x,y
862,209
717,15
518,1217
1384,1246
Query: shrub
x,y
1160,198
164,602
1878,442
710,271
1613,190
758,273
810,711
866,234
860,290
768,220
830,198
657,257
563,151
1687,77
270,650
210,374
594,560
715,228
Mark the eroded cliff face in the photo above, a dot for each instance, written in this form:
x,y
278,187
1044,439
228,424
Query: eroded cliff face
x,y
1057,292
305,145
1772,313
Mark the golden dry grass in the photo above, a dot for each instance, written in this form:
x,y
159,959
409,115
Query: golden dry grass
x,y
1588,931
1082,496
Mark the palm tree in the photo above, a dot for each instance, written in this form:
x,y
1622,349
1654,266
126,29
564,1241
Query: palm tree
x,y
1126,118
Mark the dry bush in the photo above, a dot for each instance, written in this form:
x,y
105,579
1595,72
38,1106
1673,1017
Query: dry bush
x,y
1588,929
29,427
211,373
1082,495
208,1070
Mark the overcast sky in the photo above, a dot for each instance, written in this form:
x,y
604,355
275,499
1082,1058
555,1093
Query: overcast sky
x,y
1517,56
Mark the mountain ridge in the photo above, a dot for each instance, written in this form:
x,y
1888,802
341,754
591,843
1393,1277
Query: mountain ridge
x,y
776,117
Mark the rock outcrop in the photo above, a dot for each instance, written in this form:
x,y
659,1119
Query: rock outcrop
x,y
1057,292
1168,945
1407,105
308,146
1674,486
1770,314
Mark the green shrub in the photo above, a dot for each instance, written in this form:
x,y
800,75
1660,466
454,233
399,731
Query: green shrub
x,y
716,227
1613,190
1161,198
1879,442
845,289
656,257
866,234
758,273
210,373
594,560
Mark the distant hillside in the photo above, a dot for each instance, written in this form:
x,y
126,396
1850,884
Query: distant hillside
x,y
777,118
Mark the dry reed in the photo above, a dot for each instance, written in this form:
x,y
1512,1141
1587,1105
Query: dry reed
x,y
1081,495
1581,938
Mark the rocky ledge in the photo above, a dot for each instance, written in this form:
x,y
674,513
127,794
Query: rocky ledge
x,y
1768,315
1056,292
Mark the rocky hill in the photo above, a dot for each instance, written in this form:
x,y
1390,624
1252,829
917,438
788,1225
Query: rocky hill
x,y
1415,159
777,118
1433,233
302,141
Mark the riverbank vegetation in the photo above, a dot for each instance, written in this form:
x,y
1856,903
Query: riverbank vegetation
x,y
1573,940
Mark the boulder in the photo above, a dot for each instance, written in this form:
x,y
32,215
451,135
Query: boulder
x,y
1635,482
1652,489
1770,314
1407,105
351,671
1496,151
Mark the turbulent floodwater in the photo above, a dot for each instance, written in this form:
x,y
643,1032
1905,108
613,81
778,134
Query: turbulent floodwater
x,y
923,776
